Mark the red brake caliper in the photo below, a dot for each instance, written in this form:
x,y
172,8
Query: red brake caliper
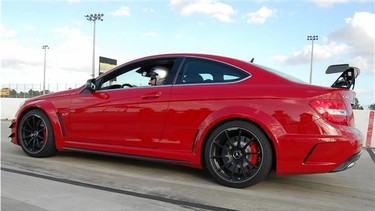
x,y
253,157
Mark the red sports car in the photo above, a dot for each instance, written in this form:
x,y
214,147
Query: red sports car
x,y
233,118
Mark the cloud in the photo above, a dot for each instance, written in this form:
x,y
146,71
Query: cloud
x,y
178,36
6,33
75,47
329,3
122,11
17,50
321,52
148,10
260,16
355,41
73,1
359,34
24,60
211,8
150,34
29,27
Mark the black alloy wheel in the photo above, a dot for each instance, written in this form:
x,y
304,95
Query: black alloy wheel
x,y
35,134
238,154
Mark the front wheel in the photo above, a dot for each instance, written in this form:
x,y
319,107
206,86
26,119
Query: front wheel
x,y
238,154
35,134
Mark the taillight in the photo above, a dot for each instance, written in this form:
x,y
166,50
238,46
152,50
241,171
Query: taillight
x,y
332,110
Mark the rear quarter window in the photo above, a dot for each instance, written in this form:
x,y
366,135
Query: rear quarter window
x,y
196,70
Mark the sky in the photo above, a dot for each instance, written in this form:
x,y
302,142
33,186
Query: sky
x,y
273,32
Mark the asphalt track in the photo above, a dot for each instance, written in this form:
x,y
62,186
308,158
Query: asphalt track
x,y
75,181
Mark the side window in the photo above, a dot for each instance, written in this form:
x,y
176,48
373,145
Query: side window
x,y
207,71
130,78
154,72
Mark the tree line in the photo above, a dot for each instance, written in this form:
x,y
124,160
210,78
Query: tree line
x,y
12,93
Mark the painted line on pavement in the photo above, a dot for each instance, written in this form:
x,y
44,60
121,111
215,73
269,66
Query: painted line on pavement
x,y
371,153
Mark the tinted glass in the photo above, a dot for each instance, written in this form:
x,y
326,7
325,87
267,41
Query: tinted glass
x,y
207,71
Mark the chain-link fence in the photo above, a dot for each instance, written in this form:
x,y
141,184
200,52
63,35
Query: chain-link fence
x,y
32,90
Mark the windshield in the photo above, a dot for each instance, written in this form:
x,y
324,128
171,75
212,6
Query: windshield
x,y
281,74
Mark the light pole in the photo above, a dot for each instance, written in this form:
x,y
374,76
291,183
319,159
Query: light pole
x,y
45,47
94,18
312,38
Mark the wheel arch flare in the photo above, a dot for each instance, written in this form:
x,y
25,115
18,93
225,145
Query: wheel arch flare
x,y
267,124
53,114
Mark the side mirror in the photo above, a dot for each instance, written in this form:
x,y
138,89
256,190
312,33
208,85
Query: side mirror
x,y
90,85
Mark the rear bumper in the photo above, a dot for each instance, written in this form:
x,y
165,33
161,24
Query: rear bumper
x,y
319,154
348,163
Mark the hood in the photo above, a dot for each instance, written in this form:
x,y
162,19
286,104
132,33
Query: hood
x,y
56,94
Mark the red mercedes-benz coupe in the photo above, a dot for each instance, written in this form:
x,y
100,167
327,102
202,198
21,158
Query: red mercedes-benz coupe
x,y
236,119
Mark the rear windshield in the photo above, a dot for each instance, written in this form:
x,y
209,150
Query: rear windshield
x,y
281,74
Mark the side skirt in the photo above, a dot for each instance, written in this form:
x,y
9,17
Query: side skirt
x,y
137,157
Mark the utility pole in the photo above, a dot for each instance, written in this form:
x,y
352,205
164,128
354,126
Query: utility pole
x,y
312,38
45,47
94,18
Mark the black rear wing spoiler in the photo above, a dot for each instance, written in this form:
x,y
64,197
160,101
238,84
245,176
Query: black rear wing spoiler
x,y
347,77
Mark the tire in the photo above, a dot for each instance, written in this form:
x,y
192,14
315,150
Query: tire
x,y
35,134
238,154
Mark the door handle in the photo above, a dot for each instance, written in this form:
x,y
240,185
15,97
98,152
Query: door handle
x,y
151,96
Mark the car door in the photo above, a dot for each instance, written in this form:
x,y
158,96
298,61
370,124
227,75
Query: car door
x,y
202,87
130,117
125,116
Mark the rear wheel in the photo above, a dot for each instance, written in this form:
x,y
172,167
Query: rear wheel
x,y
35,134
238,154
